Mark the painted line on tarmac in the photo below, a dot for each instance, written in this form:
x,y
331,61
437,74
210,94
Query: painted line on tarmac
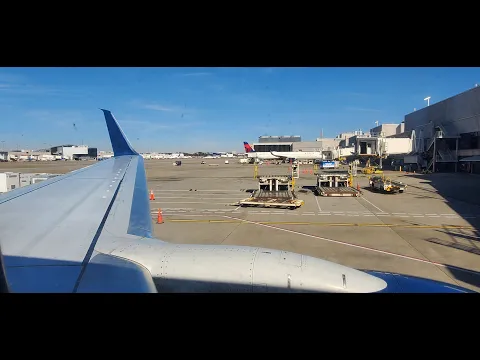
x,y
334,213
202,221
197,190
357,246
186,202
199,198
268,213
320,223
375,206
319,208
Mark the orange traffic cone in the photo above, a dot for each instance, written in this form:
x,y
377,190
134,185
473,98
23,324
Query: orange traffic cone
x,y
358,187
159,217
152,197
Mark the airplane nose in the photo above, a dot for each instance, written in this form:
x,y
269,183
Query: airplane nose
x,y
285,271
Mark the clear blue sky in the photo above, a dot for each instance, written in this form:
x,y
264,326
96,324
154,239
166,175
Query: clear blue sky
x,y
211,109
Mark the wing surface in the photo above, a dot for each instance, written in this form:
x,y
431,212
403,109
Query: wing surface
x,y
49,230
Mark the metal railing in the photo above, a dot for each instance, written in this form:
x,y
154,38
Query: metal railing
x,y
446,155
430,163
437,135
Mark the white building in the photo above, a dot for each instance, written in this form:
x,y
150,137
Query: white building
x,y
371,145
387,130
9,181
68,151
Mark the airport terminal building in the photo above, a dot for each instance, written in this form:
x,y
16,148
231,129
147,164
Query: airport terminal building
x,y
446,135
331,148
276,143
294,143
442,137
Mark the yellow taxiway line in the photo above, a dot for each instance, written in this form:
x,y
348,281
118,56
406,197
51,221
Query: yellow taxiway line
x,y
321,224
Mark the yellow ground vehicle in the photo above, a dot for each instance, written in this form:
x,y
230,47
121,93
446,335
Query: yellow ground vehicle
x,y
372,170
387,185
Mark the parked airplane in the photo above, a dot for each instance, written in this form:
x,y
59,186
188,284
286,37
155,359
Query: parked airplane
x,y
300,155
98,238
256,154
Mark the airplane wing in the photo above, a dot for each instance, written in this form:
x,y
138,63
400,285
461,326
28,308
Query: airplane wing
x,y
91,231
49,230
278,156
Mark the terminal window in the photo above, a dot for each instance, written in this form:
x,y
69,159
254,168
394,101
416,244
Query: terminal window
x,y
268,148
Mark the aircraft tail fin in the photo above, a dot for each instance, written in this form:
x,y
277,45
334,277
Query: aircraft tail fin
x,y
247,147
120,144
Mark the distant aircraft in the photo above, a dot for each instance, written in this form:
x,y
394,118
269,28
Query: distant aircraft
x,y
258,155
91,231
300,155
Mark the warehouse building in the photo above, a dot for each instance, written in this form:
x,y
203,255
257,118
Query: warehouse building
x,y
446,135
72,152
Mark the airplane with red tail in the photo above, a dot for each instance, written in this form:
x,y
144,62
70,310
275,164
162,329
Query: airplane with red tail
x,y
281,155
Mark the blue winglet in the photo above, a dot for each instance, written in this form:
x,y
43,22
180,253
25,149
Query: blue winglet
x,y
120,144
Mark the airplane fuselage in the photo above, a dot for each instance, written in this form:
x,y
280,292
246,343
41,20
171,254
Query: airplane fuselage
x,y
262,155
302,155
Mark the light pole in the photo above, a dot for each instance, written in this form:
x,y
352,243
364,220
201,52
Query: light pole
x,y
321,145
427,99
